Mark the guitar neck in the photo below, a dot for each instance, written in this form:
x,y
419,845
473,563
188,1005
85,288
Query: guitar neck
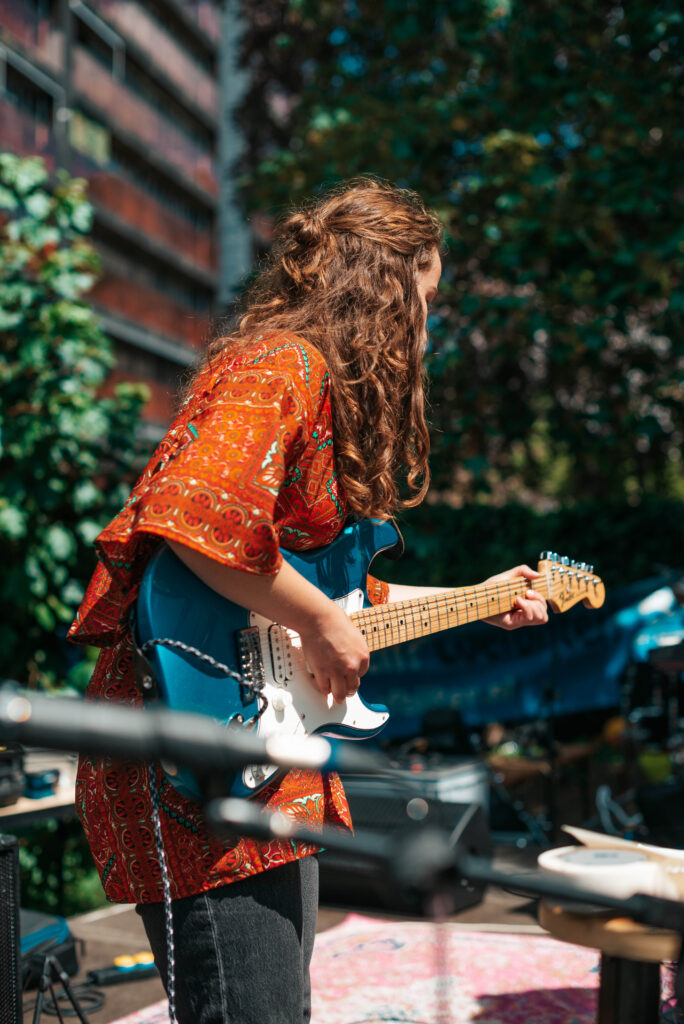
x,y
384,625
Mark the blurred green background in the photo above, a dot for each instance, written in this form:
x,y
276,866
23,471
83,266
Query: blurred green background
x,y
548,136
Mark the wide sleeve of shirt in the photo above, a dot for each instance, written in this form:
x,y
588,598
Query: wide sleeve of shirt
x,y
218,493
214,484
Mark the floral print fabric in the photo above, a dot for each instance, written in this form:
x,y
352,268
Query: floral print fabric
x,y
246,467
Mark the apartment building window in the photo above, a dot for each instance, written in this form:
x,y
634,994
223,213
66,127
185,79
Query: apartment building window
x,y
27,95
90,137
174,199
41,8
37,11
202,57
138,362
96,46
176,288
125,262
140,82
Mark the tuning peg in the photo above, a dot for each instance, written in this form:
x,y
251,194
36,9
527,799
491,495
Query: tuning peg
x,y
590,568
545,556
565,560
580,566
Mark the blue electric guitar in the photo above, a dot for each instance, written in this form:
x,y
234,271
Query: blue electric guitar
x,y
216,658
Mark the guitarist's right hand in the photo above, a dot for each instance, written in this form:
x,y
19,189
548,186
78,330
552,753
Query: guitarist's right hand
x,y
336,652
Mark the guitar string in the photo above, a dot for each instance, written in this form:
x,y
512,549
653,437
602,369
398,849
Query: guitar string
x,y
439,603
447,612
436,602
470,594
452,604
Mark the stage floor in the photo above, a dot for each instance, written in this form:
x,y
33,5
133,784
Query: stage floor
x,y
117,930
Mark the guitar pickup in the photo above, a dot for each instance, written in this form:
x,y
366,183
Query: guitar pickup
x,y
281,642
251,663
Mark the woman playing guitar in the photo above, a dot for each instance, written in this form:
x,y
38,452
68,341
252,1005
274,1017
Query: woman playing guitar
x,y
309,413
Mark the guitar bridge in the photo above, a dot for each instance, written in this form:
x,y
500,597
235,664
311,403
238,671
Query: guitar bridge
x,y
251,663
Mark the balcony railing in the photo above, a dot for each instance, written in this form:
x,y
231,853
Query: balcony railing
x,y
22,135
135,23
146,306
132,114
138,209
21,22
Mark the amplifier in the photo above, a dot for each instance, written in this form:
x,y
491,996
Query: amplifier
x,y
390,807
10,985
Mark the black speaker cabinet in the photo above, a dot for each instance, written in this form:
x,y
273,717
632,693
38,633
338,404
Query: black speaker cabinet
x,y
353,884
10,985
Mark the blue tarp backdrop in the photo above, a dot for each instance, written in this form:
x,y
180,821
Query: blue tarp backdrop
x,y
574,664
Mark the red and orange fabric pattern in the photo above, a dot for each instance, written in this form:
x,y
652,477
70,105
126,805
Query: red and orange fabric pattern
x,y
246,467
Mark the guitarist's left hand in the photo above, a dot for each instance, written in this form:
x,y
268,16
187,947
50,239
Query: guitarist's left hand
x,y
530,609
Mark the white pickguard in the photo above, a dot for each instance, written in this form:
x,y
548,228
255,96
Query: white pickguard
x,y
294,706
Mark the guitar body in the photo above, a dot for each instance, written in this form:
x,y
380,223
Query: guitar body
x,y
173,603
270,690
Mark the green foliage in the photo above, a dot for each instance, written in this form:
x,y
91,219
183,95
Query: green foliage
x,y
66,451
56,852
451,547
548,136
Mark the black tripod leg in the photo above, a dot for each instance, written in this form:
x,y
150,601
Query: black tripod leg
x,y
55,1001
53,968
43,983
66,985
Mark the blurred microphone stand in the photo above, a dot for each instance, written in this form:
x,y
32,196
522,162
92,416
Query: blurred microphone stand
x,y
423,858
212,749
426,861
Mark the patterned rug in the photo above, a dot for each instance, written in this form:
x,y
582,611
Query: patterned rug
x,y
366,971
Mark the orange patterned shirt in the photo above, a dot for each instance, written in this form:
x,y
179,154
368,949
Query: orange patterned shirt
x,y
246,466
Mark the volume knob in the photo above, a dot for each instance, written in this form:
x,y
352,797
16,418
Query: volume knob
x,y
281,700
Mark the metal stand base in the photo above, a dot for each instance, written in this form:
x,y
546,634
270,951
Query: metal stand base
x,y
53,971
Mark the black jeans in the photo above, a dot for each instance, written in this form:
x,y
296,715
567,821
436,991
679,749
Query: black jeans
x,y
243,950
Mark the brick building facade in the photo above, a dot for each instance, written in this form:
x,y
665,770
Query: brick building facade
x,y
126,94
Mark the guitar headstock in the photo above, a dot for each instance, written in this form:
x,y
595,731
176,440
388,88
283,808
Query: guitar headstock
x,y
569,582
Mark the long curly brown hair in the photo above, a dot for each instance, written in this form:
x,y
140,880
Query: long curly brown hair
x,y
342,274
